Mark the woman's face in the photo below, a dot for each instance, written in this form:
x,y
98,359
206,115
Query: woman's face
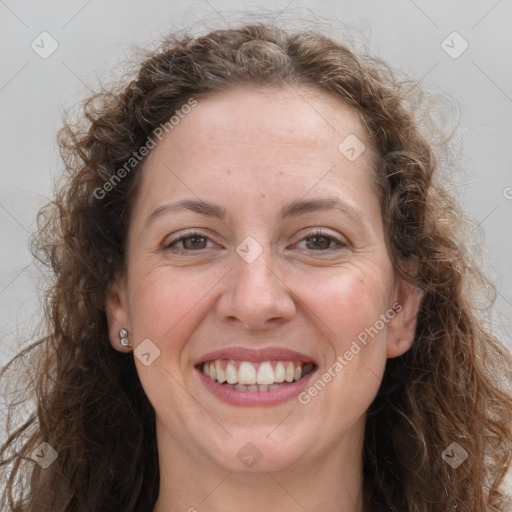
x,y
256,247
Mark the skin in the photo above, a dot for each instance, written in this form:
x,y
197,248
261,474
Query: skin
x,y
251,151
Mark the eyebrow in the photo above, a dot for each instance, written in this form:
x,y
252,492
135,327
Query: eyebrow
x,y
293,209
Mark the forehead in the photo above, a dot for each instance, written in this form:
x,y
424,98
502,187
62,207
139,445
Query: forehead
x,y
265,136
292,114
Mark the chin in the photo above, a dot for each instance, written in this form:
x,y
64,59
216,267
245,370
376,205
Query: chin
x,y
254,450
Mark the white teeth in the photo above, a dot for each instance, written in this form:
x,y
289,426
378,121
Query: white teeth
x,y
246,373
247,378
280,373
221,376
231,374
290,372
266,373
213,371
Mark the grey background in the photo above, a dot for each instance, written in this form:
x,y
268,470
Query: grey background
x,y
93,36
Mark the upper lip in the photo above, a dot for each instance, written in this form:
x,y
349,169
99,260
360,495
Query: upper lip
x,y
256,355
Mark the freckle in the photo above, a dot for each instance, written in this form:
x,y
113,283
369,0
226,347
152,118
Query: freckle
x,y
262,195
228,171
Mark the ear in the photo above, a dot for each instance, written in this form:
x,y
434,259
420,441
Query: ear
x,y
116,307
402,327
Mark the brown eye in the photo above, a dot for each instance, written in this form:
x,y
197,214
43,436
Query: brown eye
x,y
318,242
322,243
194,242
190,243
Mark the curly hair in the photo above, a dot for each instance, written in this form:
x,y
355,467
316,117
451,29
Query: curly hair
x,y
89,403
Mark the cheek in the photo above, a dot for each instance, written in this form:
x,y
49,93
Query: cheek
x,y
350,308
347,306
167,306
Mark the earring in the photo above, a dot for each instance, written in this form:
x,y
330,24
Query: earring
x,y
123,333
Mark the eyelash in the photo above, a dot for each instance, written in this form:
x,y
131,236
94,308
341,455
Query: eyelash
x,y
315,233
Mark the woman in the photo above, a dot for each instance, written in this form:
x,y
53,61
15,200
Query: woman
x,y
259,300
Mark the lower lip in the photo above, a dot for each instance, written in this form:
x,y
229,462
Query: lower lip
x,y
255,398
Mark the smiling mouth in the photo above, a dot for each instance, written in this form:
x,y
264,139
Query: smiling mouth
x,y
255,376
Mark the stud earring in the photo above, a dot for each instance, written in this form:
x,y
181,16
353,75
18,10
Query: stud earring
x,y
124,341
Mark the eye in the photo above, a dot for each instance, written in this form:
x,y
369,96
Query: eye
x,y
320,242
190,242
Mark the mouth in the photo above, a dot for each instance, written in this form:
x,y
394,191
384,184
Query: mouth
x,y
246,377
250,376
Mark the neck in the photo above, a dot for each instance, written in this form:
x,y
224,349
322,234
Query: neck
x,y
331,483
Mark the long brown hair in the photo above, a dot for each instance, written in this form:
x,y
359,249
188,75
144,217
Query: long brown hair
x,y
90,407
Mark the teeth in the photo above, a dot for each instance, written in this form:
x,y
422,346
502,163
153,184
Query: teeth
x,y
280,373
252,388
245,375
290,372
231,374
221,376
213,372
266,373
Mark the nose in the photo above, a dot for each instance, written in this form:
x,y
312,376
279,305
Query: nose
x,y
256,296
